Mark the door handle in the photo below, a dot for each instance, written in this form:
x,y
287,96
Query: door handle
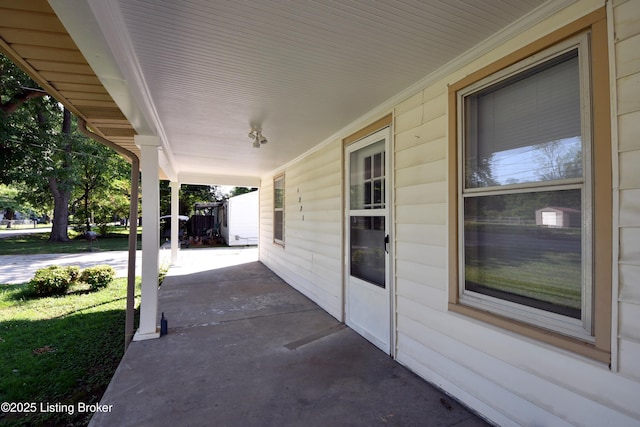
x,y
386,243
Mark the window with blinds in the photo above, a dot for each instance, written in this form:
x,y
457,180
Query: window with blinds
x,y
525,191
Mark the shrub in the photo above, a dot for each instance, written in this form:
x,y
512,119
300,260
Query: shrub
x,y
53,280
104,229
74,273
97,277
162,273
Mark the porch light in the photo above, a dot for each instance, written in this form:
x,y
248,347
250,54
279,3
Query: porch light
x,y
257,137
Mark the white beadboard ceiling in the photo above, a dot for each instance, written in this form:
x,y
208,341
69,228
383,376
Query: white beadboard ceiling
x,y
204,71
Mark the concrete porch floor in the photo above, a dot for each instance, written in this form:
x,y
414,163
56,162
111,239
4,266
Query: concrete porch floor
x,y
246,349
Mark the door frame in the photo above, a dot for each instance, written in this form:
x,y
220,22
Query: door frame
x,y
357,141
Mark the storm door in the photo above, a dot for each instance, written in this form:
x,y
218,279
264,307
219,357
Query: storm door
x,y
368,284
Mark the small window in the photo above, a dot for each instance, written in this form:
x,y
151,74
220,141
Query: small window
x,y
278,210
526,228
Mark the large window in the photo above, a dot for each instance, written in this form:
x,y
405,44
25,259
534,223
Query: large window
x,y
526,227
278,209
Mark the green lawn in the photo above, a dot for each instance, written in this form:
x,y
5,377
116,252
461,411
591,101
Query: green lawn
x,y
555,278
538,263
59,349
116,240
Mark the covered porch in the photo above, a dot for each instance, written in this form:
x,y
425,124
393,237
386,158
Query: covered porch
x,y
194,90
244,348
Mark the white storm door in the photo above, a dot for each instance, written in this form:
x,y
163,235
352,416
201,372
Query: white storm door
x,y
368,284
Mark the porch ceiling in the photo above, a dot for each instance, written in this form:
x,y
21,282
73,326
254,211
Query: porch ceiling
x,y
200,74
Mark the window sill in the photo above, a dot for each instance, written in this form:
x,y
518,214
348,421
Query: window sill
x,y
561,341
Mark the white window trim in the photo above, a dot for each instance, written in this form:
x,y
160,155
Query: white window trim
x,y
577,328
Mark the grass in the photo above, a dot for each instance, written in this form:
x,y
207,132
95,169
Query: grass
x,y
38,243
538,263
59,349
555,278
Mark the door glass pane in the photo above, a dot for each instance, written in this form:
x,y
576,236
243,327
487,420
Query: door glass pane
x,y
378,193
526,248
367,181
527,128
366,163
378,165
367,252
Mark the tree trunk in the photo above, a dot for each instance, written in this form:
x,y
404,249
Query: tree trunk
x,y
59,232
61,194
8,216
86,206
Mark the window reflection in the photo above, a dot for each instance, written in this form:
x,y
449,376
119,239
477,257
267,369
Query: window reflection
x,y
367,248
367,183
526,248
526,129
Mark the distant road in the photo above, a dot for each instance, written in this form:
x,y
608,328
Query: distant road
x,y
10,232
21,268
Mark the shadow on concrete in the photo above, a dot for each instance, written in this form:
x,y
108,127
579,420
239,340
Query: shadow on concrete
x,y
246,349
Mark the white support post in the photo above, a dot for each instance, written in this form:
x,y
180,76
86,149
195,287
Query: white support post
x,y
149,146
175,223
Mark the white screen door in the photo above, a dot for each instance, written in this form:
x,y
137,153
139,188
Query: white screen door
x,y
368,285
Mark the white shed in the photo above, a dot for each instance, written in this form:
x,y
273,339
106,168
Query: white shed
x,y
239,220
558,217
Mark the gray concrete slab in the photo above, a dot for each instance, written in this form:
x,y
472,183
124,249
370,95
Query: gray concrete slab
x,y
246,349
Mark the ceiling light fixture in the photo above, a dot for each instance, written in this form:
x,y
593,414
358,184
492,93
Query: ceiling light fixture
x,y
257,137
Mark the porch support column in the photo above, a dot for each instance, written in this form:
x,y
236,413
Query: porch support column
x,y
149,146
175,222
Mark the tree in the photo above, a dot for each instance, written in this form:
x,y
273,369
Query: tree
x,y
478,171
61,183
189,195
560,159
30,141
16,88
98,169
113,202
236,191
42,152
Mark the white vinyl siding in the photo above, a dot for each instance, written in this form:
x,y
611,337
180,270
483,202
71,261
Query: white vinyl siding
x,y
420,209
509,378
513,380
627,66
311,260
